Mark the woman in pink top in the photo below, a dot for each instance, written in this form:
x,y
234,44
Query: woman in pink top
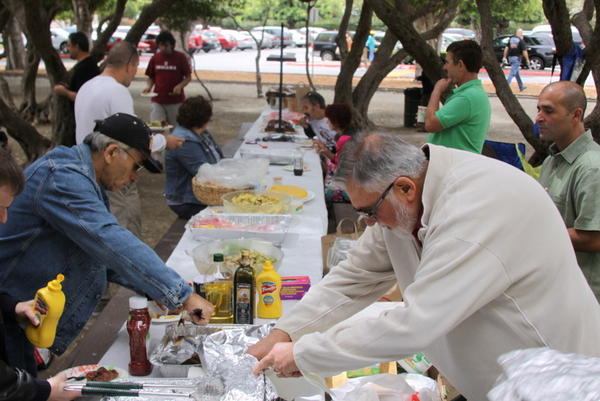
x,y
340,119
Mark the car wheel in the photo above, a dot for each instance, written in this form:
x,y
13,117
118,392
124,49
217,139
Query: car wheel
x,y
63,48
326,55
536,63
228,50
206,50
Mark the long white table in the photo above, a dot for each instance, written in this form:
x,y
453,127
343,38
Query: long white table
x,y
301,248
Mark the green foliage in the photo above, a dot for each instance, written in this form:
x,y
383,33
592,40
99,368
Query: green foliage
x,y
503,12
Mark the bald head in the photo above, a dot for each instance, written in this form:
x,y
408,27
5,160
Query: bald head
x,y
569,94
519,33
122,54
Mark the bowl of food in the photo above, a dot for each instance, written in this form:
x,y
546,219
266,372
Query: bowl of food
x,y
252,201
260,251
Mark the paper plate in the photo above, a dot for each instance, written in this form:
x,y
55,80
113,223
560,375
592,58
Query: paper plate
x,y
149,94
78,372
161,128
155,310
309,197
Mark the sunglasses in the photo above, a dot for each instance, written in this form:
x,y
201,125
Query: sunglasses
x,y
370,213
139,166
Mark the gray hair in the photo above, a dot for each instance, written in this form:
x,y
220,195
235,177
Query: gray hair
x,y
97,142
122,54
377,159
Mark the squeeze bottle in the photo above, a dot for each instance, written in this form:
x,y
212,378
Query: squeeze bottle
x,y
48,306
268,284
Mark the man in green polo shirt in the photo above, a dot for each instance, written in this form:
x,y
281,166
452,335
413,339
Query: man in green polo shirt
x,y
463,121
571,174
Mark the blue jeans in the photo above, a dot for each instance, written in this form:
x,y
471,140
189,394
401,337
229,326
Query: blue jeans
x,y
515,64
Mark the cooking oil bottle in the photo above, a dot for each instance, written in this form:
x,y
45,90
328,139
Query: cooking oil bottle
x,y
243,291
48,306
218,292
268,284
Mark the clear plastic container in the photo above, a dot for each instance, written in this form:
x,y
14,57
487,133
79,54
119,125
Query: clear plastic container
x,y
262,202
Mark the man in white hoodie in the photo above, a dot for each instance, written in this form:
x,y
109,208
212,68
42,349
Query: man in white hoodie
x,y
481,256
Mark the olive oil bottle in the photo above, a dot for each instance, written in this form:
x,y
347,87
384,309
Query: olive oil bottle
x,y
243,287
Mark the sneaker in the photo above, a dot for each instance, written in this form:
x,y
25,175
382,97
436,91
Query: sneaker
x,y
522,89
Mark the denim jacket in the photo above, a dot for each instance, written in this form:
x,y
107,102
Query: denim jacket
x,y
60,223
182,164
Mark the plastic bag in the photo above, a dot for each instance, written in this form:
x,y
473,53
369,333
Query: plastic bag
x,y
547,375
234,173
387,387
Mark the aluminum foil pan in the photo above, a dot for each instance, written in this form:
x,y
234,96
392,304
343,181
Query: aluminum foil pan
x,y
221,350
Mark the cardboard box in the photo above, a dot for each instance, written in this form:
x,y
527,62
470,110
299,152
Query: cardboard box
x,y
294,287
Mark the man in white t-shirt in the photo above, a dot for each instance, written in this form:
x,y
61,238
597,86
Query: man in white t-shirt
x,y
103,96
315,124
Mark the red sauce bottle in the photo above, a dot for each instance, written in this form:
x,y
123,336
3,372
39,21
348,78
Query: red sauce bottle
x,y
138,327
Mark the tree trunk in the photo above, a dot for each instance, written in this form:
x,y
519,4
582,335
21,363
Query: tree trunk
x,y
400,23
343,84
13,43
309,7
83,16
148,15
34,145
505,94
29,108
6,95
557,13
100,46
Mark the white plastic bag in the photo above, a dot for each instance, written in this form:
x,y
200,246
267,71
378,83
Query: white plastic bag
x,y
234,173
386,387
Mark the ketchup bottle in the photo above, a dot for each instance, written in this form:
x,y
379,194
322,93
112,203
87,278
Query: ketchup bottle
x,y
138,327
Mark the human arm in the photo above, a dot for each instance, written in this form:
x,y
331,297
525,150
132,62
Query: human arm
x,y
432,123
308,129
72,205
191,156
456,110
448,288
322,149
585,241
62,90
178,89
505,53
149,85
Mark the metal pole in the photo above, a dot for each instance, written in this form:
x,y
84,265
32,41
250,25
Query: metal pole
x,y
280,122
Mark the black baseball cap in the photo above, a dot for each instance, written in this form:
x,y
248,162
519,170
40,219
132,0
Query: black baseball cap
x,y
131,131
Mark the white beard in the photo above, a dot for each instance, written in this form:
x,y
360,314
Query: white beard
x,y
405,219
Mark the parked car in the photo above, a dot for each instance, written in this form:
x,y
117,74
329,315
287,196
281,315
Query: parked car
x,y
195,41
268,41
210,42
276,31
448,38
313,31
378,36
547,29
149,37
226,41
244,40
59,39
326,47
540,48
298,36
464,32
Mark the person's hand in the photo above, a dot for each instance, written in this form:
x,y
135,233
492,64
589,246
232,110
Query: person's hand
x,y
177,90
57,391
304,121
199,309
442,85
264,346
24,312
173,142
147,89
504,60
60,89
281,359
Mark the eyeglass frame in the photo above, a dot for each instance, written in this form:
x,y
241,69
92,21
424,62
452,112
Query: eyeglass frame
x,y
370,213
139,165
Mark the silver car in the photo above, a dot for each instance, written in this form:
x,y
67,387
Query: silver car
x,y
59,39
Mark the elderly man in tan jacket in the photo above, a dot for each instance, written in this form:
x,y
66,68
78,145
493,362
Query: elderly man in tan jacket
x,y
481,256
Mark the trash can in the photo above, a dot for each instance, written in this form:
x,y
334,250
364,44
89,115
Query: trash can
x,y
412,97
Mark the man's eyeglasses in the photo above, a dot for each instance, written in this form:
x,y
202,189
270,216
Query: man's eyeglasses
x,y
139,166
370,213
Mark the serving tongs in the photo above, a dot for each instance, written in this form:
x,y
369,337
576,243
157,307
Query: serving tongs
x,y
136,389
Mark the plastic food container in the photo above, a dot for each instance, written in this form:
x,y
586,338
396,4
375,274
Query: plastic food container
x,y
231,249
275,157
211,224
261,202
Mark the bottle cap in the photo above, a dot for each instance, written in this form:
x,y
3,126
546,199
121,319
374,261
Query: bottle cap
x,y
55,285
138,303
267,266
218,257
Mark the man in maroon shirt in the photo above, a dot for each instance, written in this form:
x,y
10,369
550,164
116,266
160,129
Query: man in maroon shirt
x,y
168,72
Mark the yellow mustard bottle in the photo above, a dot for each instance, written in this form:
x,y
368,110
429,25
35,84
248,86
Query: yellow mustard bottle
x,y
268,285
48,306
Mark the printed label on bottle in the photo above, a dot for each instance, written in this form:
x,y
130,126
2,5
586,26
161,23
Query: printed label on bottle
x,y
267,287
41,308
243,311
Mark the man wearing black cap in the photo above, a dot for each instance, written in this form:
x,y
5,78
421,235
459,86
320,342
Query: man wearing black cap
x,y
61,223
